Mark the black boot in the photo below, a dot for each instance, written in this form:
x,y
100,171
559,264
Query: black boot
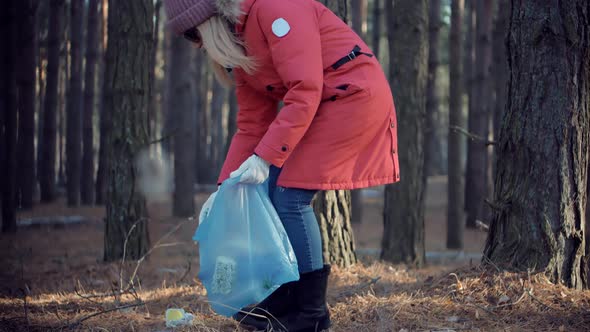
x,y
311,313
277,304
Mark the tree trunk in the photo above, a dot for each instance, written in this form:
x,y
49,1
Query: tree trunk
x,y
376,27
432,147
500,66
74,106
87,182
26,79
217,136
333,208
8,112
61,113
181,104
479,116
105,121
199,108
468,65
542,179
359,17
455,222
127,78
231,119
587,223
403,234
156,35
47,172
204,157
42,24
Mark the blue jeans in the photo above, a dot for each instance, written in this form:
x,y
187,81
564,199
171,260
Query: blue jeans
x,y
294,208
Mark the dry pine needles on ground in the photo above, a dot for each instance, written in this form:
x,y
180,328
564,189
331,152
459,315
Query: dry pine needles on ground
x,y
372,296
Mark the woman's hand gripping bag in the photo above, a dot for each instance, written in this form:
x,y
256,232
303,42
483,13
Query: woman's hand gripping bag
x,y
245,253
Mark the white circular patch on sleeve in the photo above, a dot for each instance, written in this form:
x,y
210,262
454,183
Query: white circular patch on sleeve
x,y
280,27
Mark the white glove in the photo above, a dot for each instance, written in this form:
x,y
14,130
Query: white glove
x,y
254,170
207,206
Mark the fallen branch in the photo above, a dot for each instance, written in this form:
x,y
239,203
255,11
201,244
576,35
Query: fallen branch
x,y
473,136
530,293
125,252
158,245
361,286
77,322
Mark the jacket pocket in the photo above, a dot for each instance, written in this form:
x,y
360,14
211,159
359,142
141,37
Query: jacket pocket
x,y
333,93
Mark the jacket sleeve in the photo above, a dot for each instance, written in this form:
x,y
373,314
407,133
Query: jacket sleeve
x,y
297,58
256,112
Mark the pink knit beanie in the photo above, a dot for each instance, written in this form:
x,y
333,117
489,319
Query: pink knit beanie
x,y
185,14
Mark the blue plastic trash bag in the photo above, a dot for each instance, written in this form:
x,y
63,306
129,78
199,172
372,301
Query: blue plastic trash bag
x,y
245,253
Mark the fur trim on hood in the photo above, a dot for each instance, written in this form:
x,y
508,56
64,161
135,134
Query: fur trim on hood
x,y
230,9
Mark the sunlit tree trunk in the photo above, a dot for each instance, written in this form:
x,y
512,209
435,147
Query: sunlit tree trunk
x,y
403,215
127,78
543,158
104,125
455,221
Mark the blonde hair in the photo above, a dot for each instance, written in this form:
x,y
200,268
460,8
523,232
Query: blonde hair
x,y
224,48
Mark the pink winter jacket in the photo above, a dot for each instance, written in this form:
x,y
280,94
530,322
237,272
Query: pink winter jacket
x,y
337,128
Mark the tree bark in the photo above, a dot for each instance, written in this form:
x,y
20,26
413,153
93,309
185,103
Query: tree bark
x,y
468,79
105,121
26,79
542,179
127,78
199,108
455,222
87,182
333,208
231,119
8,112
217,146
432,147
587,223
403,234
376,33
74,107
359,17
153,56
47,172
204,119
181,104
500,66
479,116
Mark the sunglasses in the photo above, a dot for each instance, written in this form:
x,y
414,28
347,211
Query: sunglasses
x,y
193,35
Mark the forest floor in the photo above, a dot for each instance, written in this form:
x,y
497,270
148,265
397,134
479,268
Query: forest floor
x,y
53,278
